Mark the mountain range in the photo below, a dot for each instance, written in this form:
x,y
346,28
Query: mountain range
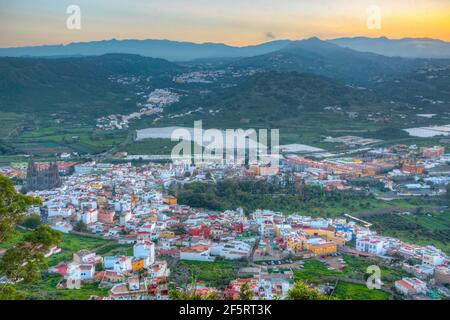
x,y
407,47
187,51
327,59
77,86
164,49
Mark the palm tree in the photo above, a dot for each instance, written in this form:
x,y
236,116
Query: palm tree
x,y
246,293
301,291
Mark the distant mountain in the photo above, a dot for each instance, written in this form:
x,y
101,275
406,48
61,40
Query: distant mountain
x,y
408,47
76,86
164,49
187,51
325,58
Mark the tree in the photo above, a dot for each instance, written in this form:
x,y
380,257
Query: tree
x,y
448,191
9,292
12,207
32,221
192,294
21,263
246,293
184,295
80,226
25,260
43,238
301,291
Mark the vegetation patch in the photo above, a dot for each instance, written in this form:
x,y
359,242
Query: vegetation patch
x,y
351,291
216,274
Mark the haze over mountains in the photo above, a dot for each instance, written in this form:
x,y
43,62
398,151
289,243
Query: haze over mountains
x,y
187,51
407,47
164,49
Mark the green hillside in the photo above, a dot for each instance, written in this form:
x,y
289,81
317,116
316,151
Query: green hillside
x,y
280,99
75,86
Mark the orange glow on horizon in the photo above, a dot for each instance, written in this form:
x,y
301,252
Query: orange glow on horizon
x,y
222,21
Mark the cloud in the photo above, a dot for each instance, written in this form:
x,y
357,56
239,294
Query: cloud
x,y
270,35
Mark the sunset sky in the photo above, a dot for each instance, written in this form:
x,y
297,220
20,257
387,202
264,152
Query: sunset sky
x,y
234,22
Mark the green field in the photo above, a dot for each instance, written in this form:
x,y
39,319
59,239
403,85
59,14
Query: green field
x,y
350,291
46,289
357,207
115,249
73,243
423,229
9,122
83,138
150,146
216,274
355,271
44,136
70,244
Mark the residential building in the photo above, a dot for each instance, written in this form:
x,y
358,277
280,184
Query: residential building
x,y
410,286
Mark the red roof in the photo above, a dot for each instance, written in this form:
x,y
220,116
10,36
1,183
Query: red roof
x,y
61,269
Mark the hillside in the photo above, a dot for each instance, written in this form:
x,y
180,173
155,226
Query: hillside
x,y
328,59
274,97
428,88
75,85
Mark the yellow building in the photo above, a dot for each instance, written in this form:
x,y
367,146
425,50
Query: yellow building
x,y
97,185
321,248
151,219
295,243
167,235
329,235
138,264
170,200
134,200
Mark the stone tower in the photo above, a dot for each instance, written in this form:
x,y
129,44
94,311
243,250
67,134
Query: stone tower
x,y
42,177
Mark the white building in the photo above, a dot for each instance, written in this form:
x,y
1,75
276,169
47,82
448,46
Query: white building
x,y
87,271
145,250
84,168
125,217
88,217
57,211
231,250
410,286
120,264
432,257
197,253
76,273
267,229
373,245
61,226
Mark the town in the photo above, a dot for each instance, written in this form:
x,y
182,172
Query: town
x,y
158,244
